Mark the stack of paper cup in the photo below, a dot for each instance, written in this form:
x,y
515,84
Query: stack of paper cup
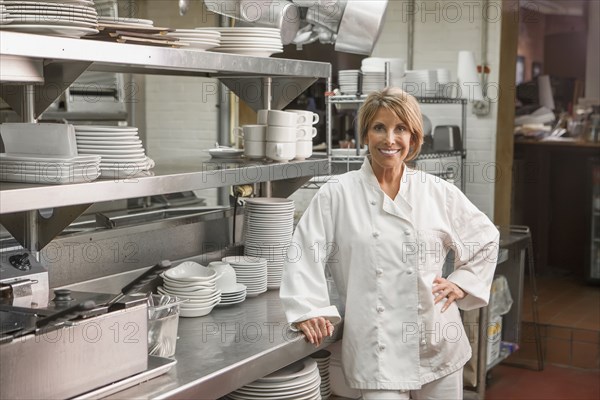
x,y
470,86
255,137
281,135
305,133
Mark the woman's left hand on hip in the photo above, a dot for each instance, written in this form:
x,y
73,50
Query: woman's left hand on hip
x,y
444,289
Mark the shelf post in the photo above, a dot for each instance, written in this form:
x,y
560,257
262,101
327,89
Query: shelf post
x,y
266,189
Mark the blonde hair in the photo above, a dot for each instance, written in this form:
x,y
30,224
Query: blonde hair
x,y
403,105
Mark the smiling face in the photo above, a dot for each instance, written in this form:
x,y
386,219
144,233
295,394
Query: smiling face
x,y
389,141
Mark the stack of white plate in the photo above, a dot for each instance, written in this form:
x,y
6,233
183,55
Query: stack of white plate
x,y
120,148
298,381
48,169
233,297
250,272
421,82
250,41
75,18
322,358
5,17
193,283
268,229
372,81
348,80
197,39
377,65
126,22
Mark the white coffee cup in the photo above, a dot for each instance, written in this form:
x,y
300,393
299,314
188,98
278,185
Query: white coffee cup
x,y
282,118
303,149
305,132
254,150
281,133
306,117
262,117
255,133
281,151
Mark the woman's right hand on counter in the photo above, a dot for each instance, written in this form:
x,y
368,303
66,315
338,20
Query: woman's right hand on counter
x,y
316,329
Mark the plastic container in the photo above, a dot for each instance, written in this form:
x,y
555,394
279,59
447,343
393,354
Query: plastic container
x,y
163,321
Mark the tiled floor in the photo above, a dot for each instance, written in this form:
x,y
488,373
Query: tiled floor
x,y
569,317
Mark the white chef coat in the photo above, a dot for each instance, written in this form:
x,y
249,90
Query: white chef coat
x,y
383,255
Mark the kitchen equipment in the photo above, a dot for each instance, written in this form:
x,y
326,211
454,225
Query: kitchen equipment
x,y
141,282
353,26
71,345
23,280
163,320
447,138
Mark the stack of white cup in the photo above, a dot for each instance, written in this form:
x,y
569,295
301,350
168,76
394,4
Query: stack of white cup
x,y
281,135
305,132
255,137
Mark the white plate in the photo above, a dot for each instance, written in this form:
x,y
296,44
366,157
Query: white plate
x,y
26,16
96,141
105,128
52,30
199,312
47,158
113,152
129,21
85,5
108,145
190,271
295,370
225,152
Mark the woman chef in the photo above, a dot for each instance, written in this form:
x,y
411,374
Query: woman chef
x,y
386,229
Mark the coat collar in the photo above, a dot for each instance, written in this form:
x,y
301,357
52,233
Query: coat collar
x,y
399,206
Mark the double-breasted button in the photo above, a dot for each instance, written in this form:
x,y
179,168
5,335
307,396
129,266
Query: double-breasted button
x,y
375,235
409,271
380,309
382,346
379,271
373,202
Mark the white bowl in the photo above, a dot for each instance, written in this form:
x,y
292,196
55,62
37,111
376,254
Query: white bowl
x,y
227,278
195,312
190,271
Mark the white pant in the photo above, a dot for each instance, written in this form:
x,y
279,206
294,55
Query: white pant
x,y
449,387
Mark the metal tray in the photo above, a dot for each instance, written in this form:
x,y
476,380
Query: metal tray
x,y
156,367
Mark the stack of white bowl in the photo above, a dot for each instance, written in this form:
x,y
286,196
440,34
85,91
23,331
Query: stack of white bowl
x,y
299,380
322,358
444,81
421,82
348,81
268,228
250,272
305,133
373,67
232,292
254,137
193,283
281,135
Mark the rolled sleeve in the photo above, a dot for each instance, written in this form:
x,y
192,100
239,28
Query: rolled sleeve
x,y
475,244
303,292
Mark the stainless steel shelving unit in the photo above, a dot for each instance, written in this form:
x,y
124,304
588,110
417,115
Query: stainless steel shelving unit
x,y
260,81
354,101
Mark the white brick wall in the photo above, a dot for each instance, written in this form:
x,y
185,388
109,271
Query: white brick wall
x,y
180,122
180,112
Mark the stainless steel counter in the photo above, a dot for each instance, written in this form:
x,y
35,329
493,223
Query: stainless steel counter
x,y
226,349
